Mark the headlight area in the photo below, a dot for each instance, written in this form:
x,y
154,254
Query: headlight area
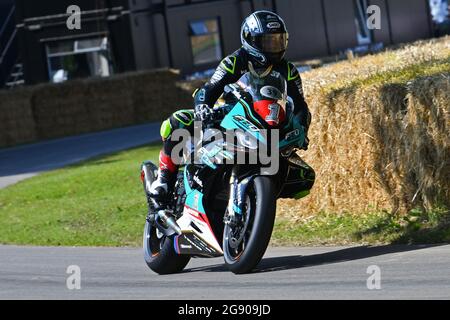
x,y
246,140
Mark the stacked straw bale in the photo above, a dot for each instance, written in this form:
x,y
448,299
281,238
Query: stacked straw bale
x,y
379,142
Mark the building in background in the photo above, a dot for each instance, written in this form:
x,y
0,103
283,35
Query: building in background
x,y
9,51
191,35
440,13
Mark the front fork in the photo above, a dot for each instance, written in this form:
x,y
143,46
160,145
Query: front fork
x,y
237,197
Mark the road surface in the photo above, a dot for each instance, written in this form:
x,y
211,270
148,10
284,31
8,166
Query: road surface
x,y
406,272
22,162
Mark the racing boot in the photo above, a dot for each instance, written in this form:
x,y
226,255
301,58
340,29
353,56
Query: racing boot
x,y
162,187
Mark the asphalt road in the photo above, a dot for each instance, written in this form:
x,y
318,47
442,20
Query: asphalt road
x,y
407,272
22,162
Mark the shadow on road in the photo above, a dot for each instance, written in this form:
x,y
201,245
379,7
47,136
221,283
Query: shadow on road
x,y
298,261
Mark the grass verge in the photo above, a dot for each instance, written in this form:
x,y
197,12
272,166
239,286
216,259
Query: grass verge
x,y
100,202
418,227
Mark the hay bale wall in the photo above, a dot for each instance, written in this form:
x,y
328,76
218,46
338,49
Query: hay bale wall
x,y
16,118
380,140
56,110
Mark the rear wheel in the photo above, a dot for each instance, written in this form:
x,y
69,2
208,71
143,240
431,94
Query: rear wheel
x,y
244,244
159,252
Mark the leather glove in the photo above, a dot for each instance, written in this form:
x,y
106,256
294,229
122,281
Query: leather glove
x,y
203,112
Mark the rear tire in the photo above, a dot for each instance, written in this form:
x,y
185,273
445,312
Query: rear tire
x,y
159,252
263,218
160,255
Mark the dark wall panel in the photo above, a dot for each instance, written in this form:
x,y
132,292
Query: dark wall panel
x,y
143,40
160,40
33,8
409,20
5,7
179,17
122,44
340,16
304,20
263,5
246,9
382,35
174,2
139,4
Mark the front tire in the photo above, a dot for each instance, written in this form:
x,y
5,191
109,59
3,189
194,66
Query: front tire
x,y
262,217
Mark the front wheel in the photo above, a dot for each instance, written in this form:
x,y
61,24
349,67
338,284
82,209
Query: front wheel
x,y
245,244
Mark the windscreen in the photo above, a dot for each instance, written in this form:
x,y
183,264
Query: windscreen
x,y
270,87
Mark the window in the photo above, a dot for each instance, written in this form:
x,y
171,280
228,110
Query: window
x,y
363,33
73,59
205,41
439,11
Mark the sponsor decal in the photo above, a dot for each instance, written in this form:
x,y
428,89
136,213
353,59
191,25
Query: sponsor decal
x,y
201,95
292,135
245,123
198,181
192,243
218,75
275,74
273,25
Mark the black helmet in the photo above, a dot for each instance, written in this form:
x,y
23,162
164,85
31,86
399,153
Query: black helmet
x,y
265,37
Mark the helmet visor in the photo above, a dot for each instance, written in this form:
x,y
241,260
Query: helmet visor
x,y
271,43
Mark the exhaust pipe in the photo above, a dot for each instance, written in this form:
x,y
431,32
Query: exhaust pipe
x,y
168,219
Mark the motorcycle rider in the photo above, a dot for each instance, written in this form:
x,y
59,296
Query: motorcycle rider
x,y
264,39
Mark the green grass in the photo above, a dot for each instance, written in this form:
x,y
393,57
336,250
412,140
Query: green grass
x,y
101,203
97,203
365,228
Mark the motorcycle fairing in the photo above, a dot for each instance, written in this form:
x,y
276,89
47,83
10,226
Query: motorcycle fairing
x,y
237,119
197,236
190,243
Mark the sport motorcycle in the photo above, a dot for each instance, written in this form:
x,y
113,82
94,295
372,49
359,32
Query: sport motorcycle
x,y
220,206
